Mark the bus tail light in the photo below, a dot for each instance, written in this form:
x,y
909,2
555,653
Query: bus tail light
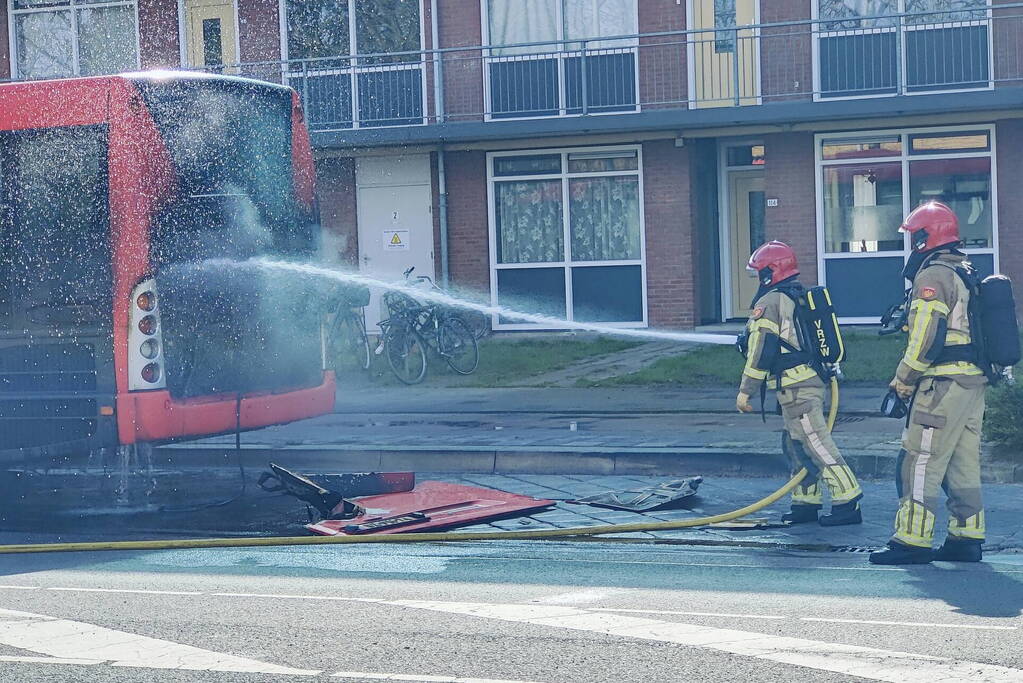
x,y
145,340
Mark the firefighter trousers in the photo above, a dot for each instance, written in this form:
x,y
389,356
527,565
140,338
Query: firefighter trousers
x,y
941,450
808,443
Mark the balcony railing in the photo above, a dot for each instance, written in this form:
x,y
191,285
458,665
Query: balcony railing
x,y
820,59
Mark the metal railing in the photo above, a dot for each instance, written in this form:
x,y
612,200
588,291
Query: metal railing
x,y
819,59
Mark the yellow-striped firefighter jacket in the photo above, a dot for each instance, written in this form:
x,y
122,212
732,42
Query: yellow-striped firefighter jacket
x,y
773,320
938,319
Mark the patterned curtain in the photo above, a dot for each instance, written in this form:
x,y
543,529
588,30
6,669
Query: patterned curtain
x,y
530,228
604,213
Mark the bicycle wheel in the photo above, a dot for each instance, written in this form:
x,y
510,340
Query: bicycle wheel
x,y
457,345
348,342
477,321
406,354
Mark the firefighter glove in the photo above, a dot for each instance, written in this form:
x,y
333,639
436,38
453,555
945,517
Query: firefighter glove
x,y
905,391
742,403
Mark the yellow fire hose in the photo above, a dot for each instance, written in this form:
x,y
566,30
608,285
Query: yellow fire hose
x,y
427,537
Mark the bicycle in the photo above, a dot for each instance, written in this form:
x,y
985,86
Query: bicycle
x,y
346,335
477,321
412,330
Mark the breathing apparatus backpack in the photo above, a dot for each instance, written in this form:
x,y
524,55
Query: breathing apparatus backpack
x,y
994,330
820,339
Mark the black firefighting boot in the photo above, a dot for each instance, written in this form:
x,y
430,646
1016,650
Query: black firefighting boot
x,y
959,550
843,514
801,513
898,553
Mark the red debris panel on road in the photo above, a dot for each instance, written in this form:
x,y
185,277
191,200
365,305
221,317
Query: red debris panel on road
x,y
432,505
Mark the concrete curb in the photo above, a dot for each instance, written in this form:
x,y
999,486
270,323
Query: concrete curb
x,y
537,460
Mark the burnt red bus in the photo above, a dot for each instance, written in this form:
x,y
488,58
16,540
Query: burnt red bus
x,y
121,199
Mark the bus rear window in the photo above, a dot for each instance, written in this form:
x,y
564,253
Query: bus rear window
x,y
55,256
230,142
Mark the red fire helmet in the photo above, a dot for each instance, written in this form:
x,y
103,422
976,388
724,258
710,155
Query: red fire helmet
x,y
773,262
930,226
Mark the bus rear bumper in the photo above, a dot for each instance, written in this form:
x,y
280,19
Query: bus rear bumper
x,y
156,416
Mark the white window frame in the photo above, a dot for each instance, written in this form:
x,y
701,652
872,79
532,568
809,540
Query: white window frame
x,y
566,263
354,69
904,157
557,51
900,87
758,56
71,6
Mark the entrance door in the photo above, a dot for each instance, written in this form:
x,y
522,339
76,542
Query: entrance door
x,y
725,58
212,39
748,204
395,214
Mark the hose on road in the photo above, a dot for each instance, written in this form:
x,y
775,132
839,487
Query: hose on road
x,y
432,537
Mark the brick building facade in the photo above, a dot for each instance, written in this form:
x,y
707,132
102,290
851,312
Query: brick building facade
x,y
614,161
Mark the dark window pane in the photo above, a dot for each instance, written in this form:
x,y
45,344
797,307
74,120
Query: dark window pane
x,y
853,14
724,17
317,29
607,294
858,64
384,26
527,165
757,209
610,82
391,98
527,87
947,58
865,287
963,184
212,43
532,290
984,263
746,155
54,226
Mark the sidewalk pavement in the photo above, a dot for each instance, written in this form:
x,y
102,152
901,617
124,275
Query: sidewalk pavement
x,y
629,430
256,513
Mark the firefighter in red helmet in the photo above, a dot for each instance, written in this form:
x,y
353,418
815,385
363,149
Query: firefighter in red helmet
x,y
939,372
774,356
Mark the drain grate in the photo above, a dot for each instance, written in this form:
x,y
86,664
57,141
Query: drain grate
x,y
861,549
849,419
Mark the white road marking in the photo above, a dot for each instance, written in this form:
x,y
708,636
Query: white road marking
x,y
49,660
583,597
20,588
417,677
68,640
689,614
852,660
908,623
558,599
122,590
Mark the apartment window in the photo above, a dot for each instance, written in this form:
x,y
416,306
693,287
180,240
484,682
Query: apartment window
x,y
567,230
356,62
565,68
867,47
869,183
57,39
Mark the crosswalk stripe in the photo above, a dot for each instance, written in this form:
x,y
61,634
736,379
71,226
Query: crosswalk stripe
x,y
853,660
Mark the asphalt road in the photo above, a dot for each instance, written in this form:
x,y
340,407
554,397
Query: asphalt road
x,y
506,612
